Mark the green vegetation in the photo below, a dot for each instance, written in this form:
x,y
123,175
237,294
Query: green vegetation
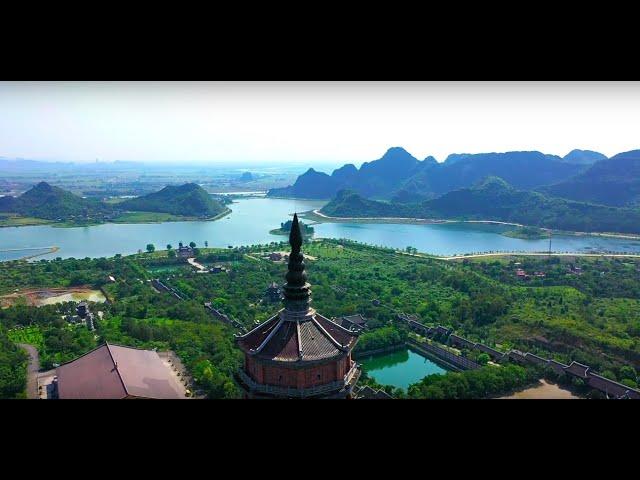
x,y
189,199
384,337
285,228
489,381
592,316
496,200
53,203
527,233
13,367
13,220
149,217
44,204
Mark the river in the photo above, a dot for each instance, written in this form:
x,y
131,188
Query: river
x,y
252,218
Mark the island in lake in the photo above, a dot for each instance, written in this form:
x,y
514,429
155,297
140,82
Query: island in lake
x,y
528,233
285,228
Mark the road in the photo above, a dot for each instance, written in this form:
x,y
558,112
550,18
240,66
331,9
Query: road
x,y
534,254
32,370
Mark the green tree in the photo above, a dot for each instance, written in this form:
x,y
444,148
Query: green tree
x,y
171,254
192,244
151,247
169,246
483,359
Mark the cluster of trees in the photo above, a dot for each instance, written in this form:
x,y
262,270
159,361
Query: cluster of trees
x,y
381,338
488,381
13,361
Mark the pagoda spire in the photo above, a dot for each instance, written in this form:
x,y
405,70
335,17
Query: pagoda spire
x,y
297,292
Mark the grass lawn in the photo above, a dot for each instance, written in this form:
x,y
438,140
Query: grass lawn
x,y
147,217
19,221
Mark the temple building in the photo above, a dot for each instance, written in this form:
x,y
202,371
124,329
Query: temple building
x,y
273,293
298,353
116,372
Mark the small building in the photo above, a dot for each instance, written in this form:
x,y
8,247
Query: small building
x,y
82,309
273,292
185,251
578,370
352,322
275,256
118,372
535,359
458,341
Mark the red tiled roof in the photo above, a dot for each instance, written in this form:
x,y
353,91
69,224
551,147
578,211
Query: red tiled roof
x,y
114,371
286,340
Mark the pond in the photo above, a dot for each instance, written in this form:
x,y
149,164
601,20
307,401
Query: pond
x,y
400,368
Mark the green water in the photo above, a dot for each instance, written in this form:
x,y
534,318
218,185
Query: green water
x,y
400,368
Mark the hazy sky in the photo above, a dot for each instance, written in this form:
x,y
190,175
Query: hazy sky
x,y
213,122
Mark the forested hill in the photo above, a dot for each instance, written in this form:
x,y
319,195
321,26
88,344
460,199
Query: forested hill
x,y
495,199
187,200
49,202
398,172
615,182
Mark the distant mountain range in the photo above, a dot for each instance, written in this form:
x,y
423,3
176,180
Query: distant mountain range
x,y
54,203
398,173
614,181
495,199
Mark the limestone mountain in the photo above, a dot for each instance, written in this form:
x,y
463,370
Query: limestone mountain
x,y
583,157
398,171
495,199
189,199
50,202
614,181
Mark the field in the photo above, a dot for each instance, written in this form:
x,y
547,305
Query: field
x,y
19,221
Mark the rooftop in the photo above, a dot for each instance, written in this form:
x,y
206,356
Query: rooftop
x,y
114,372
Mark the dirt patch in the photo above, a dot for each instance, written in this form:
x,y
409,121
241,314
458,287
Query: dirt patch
x,y
544,390
47,296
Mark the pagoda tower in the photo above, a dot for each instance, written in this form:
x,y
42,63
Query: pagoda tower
x,y
298,353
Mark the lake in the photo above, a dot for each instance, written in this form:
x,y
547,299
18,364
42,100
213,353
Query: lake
x,y
252,218
400,368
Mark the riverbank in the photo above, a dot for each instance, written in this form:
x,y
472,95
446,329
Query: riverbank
x,y
41,251
128,218
528,254
320,217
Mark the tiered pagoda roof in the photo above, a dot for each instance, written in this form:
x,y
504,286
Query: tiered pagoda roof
x,y
297,333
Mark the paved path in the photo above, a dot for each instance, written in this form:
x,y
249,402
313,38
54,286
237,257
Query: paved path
x,y
32,370
193,263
